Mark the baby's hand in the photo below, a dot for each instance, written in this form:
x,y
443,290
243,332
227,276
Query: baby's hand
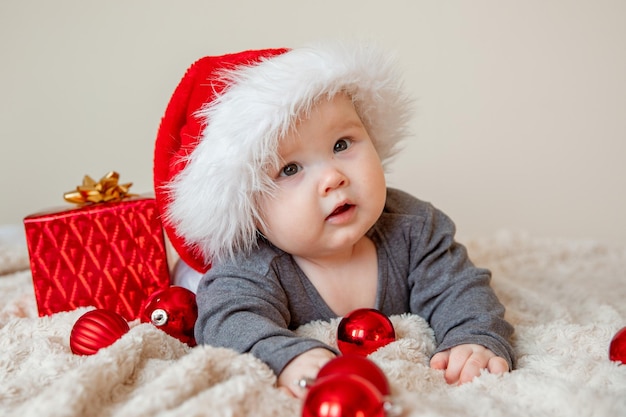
x,y
464,362
306,365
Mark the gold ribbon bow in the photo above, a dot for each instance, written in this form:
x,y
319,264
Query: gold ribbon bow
x,y
104,191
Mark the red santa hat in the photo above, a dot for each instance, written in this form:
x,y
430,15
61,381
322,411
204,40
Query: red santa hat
x,y
222,125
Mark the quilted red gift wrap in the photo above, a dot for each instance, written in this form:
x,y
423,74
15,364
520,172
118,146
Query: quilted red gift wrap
x,y
109,256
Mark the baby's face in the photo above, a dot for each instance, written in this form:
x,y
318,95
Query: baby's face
x,y
330,189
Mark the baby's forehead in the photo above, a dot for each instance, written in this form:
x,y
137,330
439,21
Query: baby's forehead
x,y
331,117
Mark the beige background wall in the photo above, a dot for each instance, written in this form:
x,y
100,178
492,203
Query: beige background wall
x,y
521,105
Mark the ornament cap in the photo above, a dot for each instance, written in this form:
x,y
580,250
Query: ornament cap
x,y
159,317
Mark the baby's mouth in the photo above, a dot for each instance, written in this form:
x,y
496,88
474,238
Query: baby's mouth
x,y
341,209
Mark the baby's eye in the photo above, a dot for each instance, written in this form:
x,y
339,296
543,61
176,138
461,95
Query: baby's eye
x,y
341,145
289,170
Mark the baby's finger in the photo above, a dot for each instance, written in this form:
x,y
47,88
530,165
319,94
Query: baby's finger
x,y
497,365
287,391
472,367
440,360
456,364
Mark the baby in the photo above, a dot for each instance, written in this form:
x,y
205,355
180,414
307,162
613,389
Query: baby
x,y
269,170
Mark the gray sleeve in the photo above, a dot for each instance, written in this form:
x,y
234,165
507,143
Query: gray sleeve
x,y
452,294
247,311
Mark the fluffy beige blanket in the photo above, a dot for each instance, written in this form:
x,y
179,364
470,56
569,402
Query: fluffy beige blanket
x,y
566,299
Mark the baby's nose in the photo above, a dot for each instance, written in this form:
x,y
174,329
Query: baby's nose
x,y
332,180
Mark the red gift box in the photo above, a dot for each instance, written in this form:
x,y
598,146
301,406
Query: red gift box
x,y
109,255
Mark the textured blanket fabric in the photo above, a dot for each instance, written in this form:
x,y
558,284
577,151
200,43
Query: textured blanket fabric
x,y
566,299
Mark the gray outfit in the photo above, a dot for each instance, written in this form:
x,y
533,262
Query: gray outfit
x,y
254,302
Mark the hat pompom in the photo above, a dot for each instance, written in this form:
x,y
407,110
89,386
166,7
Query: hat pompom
x,y
209,201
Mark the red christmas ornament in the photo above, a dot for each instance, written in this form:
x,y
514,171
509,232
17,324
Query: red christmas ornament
x,y
343,395
617,349
363,331
96,329
358,365
173,310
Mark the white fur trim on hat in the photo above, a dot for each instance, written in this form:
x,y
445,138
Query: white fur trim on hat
x,y
213,198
